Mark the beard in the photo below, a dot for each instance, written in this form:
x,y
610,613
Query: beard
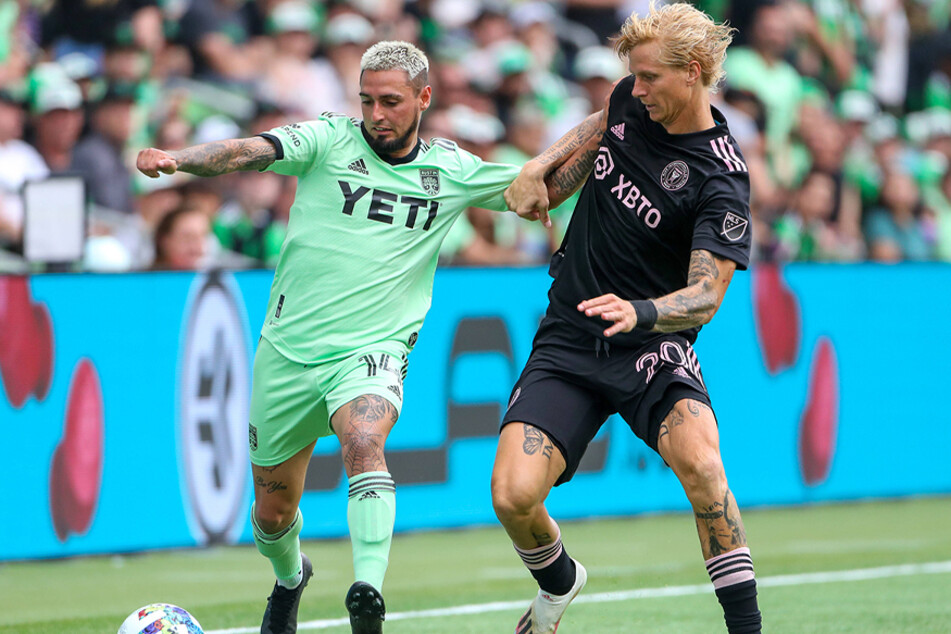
x,y
381,146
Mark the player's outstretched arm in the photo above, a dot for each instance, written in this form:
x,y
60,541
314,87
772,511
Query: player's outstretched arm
x,y
528,195
694,305
209,159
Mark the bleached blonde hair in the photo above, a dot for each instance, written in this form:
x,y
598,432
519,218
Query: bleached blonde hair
x,y
685,33
396,55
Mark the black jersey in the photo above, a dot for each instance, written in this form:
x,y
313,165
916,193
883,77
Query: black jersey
x,y
650,200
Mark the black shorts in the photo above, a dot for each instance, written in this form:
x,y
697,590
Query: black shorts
x,y
574,381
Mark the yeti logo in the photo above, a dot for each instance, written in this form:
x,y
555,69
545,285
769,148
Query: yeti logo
x,y
604,164
213,393
429,178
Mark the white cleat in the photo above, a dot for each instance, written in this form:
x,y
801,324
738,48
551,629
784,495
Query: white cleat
x,y
546,610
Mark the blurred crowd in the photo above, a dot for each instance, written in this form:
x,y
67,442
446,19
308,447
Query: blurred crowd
x,y
842,108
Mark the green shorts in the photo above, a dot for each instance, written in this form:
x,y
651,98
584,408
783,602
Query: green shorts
x,y
292,403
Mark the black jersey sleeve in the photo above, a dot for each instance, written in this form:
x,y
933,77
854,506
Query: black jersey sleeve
x,y
723,221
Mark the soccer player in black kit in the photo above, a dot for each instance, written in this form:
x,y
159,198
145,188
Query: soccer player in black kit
x,y
662,223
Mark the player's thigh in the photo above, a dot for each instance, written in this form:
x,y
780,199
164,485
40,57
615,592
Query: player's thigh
x,y
647,384
557,419
288,409
527,465
278,488
366,398
688,439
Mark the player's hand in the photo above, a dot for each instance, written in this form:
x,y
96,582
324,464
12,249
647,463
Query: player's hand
x,y
611,308
528,196
152,161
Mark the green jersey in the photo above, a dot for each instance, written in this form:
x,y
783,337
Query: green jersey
x,y
363,237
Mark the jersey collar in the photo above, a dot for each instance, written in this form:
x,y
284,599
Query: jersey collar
x,y
409,158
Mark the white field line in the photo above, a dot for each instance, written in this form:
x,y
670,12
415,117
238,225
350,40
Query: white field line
x,y
808,578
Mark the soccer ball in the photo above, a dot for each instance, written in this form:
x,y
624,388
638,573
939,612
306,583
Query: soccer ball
x,y
160,618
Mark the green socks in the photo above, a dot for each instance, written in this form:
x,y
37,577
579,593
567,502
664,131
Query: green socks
x,y
283,549
371,512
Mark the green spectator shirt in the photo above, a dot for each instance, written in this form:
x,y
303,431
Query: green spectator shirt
x,y
780,88
363,236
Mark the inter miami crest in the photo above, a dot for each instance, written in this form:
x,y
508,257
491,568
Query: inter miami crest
x,y
734,227
675,175
429,178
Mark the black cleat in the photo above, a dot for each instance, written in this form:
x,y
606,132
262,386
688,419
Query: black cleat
x,y
280,617
366,608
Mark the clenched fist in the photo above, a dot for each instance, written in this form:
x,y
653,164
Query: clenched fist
x,y
152,161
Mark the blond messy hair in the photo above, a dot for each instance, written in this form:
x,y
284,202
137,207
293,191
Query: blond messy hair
x,y
397,55
686,34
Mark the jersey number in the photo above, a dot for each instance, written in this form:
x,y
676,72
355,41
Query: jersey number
x,y
670,352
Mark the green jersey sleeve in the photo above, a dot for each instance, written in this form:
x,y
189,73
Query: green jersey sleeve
x,y
301,147
486,182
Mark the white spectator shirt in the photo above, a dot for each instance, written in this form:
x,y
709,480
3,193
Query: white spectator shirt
x,y
19,163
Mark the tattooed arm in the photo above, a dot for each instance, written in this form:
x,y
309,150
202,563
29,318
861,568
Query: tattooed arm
x,y
557,172
209,159
694,305
570,175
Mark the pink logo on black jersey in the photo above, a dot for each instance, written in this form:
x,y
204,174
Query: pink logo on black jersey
x,y
604,164
515,396
618,130
675,175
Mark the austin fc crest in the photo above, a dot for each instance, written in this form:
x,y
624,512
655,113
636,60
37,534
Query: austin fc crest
x,y
429,178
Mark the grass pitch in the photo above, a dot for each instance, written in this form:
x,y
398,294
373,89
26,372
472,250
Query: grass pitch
x,y
874,567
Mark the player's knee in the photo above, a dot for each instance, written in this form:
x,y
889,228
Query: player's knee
x,y
274,516
363,446
512,500
702,474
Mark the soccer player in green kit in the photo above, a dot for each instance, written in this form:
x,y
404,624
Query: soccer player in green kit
x,y
351,288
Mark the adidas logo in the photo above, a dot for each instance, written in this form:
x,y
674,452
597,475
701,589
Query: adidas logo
x,y
618,130
358,166
681,372
368,495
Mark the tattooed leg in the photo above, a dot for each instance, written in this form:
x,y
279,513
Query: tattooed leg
x,y
362,426
720,527
527,465
278,489
689,442
691,448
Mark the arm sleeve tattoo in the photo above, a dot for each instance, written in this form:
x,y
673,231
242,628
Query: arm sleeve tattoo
x,y
222,157
695,304
569,161
575,138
